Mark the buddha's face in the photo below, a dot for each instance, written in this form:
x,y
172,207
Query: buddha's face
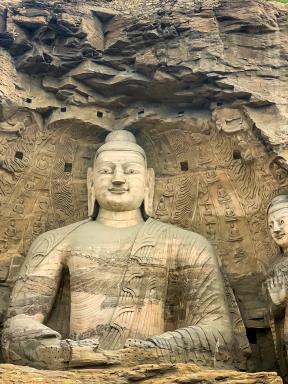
x,y
278,224
119,180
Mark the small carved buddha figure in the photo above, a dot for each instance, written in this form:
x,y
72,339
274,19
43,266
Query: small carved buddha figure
x,y
169,189
229,214
277,281
19,207
140,291
162,211
11,230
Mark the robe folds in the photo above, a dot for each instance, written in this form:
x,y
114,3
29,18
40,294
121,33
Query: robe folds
x,y
278,315
167,289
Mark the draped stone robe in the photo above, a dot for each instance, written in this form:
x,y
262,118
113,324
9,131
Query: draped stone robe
x,y
278,315
164,286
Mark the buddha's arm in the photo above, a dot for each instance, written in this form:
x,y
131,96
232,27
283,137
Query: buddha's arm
x,y
25,339
205,326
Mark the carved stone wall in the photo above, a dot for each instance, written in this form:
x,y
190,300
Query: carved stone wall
x,y
202,84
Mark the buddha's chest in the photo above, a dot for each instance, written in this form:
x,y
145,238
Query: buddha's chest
x,y
115,289
118,272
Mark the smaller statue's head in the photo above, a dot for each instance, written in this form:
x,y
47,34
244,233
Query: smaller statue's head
x,y
278,220
119,180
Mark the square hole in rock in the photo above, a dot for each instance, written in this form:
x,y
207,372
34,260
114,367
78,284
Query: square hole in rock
x,y
19,155
100,114
68,167
184,166
237,155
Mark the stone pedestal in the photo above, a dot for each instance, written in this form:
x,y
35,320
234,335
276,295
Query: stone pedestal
x,y
148,374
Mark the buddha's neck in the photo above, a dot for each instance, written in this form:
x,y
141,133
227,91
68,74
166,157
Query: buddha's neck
x,y
119,219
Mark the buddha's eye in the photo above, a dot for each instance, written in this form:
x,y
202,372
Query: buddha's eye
x,y
130,171
105,171
270,225
281,221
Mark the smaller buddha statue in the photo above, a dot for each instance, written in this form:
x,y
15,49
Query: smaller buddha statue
x,y
277,281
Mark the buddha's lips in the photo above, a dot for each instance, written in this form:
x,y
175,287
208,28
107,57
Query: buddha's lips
x,y
279,235
118,190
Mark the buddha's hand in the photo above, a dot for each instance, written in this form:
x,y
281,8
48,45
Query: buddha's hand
x,y
277,289
85,353
139,343
85,343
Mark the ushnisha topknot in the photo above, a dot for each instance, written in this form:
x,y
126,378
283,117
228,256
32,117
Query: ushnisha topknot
x,y
278,202
121,141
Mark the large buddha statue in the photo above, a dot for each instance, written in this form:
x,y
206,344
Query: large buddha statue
x,y
140,290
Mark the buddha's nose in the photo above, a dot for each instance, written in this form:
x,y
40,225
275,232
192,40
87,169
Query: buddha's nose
x,y
276,227
118,178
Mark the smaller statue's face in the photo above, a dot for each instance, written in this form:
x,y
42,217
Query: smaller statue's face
x,y
278,224
119,180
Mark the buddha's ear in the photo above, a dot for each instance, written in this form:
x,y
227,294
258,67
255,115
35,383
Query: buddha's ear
x,y
149,192
91,193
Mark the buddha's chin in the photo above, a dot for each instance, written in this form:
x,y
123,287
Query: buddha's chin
x,y
282,241
119,204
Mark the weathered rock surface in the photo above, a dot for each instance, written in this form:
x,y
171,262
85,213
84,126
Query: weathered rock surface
x,y
148,374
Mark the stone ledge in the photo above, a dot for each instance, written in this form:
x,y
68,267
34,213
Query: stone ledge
x,y
149,373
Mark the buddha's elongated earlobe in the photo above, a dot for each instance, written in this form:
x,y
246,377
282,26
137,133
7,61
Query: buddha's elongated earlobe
x,y
149,193
91,193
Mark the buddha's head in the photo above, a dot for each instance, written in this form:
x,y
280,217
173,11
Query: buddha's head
x,y
119,180
278,220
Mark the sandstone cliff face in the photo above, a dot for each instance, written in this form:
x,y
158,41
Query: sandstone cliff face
x,y
203,84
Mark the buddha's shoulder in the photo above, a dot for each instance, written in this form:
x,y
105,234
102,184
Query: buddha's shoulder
x,y
48,240
175,232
